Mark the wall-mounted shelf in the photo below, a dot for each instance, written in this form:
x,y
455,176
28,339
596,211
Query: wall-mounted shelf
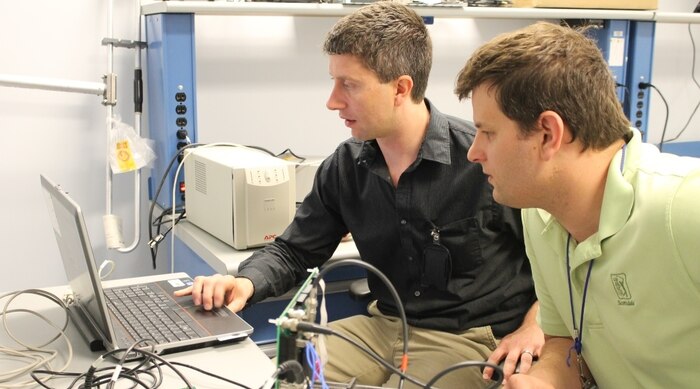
x,y
443,11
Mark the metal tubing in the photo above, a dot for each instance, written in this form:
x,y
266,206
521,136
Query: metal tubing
x,y
90,88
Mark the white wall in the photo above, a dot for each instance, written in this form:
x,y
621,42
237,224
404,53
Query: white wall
x,y
261,81
672,75
62,135
265,81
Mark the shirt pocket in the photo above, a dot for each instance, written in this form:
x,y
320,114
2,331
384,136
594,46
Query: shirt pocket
x,y
461,238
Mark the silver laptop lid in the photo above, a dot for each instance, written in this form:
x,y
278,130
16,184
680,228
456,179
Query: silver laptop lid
x,y
78,259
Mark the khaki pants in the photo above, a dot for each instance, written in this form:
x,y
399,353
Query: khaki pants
x,y
429,352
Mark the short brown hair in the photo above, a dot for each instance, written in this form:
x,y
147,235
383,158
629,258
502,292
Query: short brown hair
x,y
549,67
390,39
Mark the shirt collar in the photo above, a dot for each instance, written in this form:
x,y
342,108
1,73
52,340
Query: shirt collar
x,y
619,193
435,146
618,199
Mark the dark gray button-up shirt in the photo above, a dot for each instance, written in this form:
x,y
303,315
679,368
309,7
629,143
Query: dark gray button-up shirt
x,y
489,280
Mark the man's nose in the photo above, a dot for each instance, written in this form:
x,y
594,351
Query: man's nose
x,y
474,154
334,103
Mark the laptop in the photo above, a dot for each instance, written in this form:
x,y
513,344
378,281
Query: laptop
x,y
109,318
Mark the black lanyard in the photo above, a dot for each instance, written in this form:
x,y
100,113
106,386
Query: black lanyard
x,y
578,331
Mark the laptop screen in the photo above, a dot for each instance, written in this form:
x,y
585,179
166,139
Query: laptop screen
x,y
78,260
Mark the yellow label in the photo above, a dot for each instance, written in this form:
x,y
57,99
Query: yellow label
x,y
125,158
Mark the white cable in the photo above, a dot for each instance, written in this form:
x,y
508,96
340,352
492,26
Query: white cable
x,y
103,266
323,321
33,356
323,311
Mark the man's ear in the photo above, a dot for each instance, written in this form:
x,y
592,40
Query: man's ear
x,y
404,86
553,131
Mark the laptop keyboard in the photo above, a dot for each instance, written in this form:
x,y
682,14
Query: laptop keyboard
x,y
148,314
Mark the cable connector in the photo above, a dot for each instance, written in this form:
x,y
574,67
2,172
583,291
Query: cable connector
x,y
291,370
285,323
156,239
644,85
314,328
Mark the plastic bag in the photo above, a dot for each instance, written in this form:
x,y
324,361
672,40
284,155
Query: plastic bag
x,y
127,150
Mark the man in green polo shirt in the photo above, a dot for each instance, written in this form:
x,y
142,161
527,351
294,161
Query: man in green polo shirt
x,y
612,226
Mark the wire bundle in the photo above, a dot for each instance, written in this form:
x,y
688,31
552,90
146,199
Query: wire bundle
x,y
401,371
314,363
37,359
33,356
147,373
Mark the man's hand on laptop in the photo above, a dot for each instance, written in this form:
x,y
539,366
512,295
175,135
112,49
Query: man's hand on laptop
x,y
219,290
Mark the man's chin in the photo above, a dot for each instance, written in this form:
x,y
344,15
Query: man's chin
x,y
509,201
503,200
360,136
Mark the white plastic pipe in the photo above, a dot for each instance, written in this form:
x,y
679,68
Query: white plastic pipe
x,y
137,173
90,88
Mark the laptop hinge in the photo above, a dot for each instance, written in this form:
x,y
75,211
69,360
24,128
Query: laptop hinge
x,y
86,330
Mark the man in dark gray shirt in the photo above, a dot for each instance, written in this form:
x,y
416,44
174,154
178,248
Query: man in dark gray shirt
x,y
417,209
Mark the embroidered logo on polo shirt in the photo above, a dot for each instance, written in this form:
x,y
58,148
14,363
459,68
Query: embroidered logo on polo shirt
x,y
624,295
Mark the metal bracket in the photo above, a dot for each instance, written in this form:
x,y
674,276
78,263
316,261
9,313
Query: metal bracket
x,y
126,43
110,94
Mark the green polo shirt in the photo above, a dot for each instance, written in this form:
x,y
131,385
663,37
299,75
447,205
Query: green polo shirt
x,y
642,314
